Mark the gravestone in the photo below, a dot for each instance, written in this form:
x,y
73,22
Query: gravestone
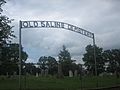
x,y
37,74
70,73
27,73
46,72
75,73
42,72
7,75
14,74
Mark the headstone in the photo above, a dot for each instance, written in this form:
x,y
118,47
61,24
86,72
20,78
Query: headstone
x,y
14,74
7,74
70,73
46,72
75,73
37,74
42,72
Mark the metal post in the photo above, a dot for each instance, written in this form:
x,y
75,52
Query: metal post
x,y
81,77
95,59
25,76
20,55
94,55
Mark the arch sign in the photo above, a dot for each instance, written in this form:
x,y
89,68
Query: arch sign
x,y
55,24
52,24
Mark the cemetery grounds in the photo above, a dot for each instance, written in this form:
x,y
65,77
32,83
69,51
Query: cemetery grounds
x,y
54,83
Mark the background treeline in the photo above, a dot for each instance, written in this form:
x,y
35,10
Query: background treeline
x,y
108,61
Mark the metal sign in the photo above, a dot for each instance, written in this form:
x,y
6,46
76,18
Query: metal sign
x,y
55,24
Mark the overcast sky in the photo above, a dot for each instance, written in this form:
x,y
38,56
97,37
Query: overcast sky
x,y
101,17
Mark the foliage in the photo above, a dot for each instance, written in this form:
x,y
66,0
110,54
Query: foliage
x,y
52,65
88,58
9,52
49,63
42,62
30,68
10,58
107,61
112,58
65,61
1,3
6,32
64,55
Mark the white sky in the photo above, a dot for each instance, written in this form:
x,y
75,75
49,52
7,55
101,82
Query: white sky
x,y
99,16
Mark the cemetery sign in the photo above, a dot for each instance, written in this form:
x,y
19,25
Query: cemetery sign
x,y
55,24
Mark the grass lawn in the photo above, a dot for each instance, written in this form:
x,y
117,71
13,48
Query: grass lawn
x,y
52,83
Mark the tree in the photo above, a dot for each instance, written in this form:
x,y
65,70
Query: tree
x,y
112,58
1,3
65,61
88,58
13,55
8,52
30,68
42,62
10,58
49,63
6,33
52,65
64,55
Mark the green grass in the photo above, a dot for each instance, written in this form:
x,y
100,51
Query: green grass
x,y
52,83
